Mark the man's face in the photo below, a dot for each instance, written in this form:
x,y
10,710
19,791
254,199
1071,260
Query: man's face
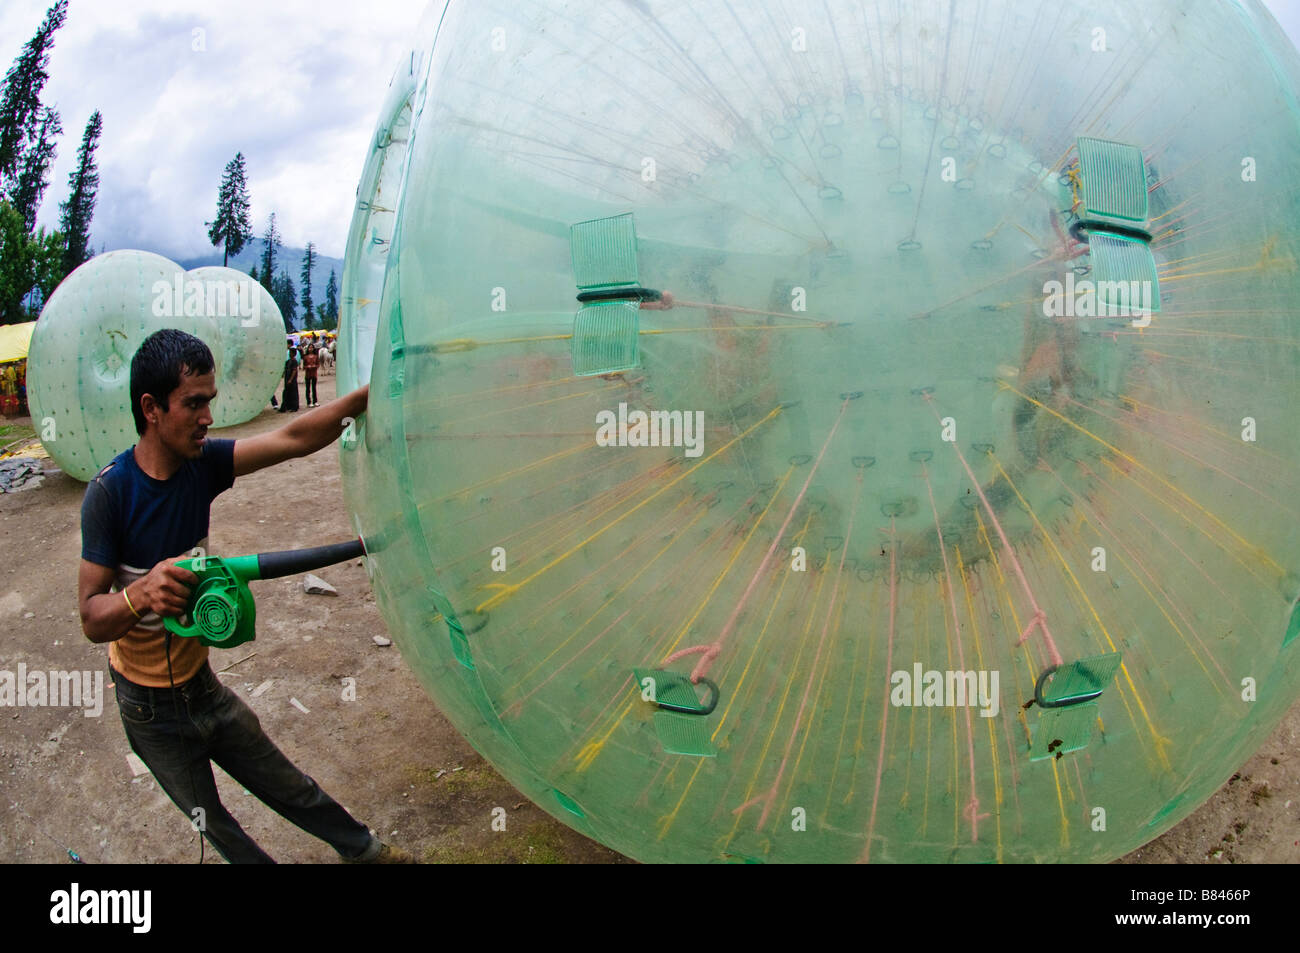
x,y
183,426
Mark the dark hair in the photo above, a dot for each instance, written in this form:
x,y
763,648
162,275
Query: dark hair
x,y
157,366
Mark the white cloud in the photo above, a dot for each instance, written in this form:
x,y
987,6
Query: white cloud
x,y
294,85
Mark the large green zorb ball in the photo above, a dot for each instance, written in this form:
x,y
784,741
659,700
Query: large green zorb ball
x,y
79,364
842,432
79,360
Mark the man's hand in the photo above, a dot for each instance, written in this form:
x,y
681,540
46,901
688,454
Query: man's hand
x,y
166,589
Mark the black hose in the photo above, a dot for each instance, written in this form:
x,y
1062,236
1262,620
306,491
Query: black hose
x,y
290,562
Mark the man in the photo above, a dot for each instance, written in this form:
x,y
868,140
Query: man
x,y
310,361
151,503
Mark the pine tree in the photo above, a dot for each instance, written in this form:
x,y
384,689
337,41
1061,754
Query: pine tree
x,y
282,291
252,273
270,245
231,227
33,177
20,100
308,263
330,320
83,186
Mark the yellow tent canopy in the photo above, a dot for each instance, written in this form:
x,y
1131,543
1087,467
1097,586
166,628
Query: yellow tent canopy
x,y
14,339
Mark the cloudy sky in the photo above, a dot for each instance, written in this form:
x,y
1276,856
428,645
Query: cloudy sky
x,y
295,85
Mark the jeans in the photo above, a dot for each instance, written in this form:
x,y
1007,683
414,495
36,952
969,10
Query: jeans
x,y
312,397
177,732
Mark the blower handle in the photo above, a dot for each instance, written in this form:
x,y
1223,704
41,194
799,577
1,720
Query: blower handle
x,y
290,562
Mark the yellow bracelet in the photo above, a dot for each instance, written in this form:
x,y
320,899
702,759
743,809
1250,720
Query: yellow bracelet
x,y
128,603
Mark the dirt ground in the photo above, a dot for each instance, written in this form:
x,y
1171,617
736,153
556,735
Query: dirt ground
x,y
390,756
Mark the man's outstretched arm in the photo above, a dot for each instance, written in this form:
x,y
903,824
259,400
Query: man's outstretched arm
x,y
305,435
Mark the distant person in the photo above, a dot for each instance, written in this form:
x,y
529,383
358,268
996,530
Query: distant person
x,y
152,502
310,362
289,400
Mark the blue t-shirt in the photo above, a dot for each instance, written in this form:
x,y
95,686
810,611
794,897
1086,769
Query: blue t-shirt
x,y
130,522
130,519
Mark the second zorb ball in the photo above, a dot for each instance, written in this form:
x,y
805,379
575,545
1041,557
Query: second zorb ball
x,y
79,360
251,331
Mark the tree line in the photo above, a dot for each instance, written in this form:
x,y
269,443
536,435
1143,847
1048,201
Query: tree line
x,y
34,261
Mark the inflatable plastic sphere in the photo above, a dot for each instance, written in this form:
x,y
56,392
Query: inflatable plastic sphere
x,y
831,433
79,360
252,342
79,376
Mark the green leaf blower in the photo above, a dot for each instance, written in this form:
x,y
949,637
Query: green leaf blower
x,y
221,612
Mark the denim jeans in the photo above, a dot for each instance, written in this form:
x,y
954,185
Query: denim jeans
x,y
178,732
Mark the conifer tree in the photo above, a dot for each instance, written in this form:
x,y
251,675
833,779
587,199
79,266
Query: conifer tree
x,y
270,245
330,319
231,227
33,177
21,115
83,186
308,263
282,291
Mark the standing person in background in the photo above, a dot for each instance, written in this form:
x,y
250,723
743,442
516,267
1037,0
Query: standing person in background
x,y
310,362
289,402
